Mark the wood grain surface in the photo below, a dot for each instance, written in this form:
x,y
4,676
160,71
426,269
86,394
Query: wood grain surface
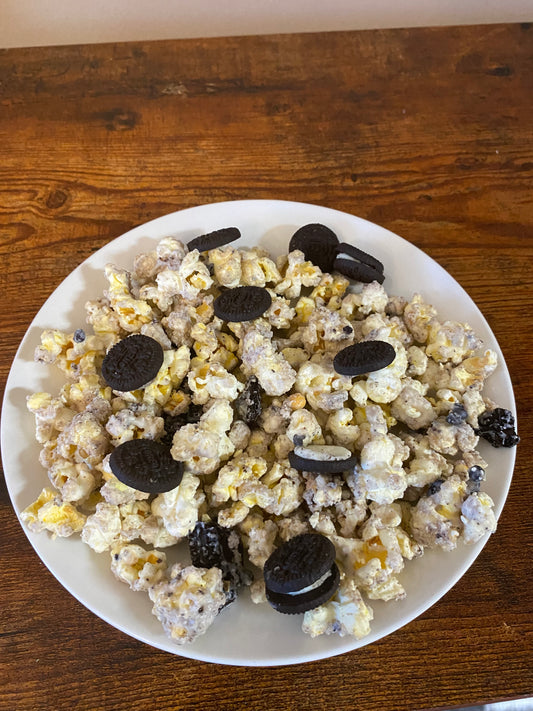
x,y
428,132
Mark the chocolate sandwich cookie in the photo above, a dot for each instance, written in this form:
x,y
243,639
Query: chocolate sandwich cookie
x,y
301,574
357,270
360,256
212,546
244,303
318,243
212,240
132,363
364,357
146,465
322,459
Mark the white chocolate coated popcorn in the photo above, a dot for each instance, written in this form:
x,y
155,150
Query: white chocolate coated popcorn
x,y
409,490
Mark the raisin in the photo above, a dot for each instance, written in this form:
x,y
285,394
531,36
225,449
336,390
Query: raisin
x,y
249,403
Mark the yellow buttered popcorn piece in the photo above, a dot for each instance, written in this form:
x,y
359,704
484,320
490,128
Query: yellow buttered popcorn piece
x,y
52,514
131,313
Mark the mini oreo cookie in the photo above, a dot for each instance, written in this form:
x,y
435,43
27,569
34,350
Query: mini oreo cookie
x,y
297,603
301,574
364,357
357,270
316,459
318,243
132,362
146,465
244,303
215,239
360,256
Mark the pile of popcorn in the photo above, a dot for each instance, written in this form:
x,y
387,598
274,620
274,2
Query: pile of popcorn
x,y
410,490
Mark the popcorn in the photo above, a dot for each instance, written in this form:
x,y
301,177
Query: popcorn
x,y
74,481
259,358
477,517
138,568
179,507
204,445
257,268
298,273
412,408
188,602
345,614
409,490
436,519
226,263
50,513
211,380
102,528
324,389
131,313
188,280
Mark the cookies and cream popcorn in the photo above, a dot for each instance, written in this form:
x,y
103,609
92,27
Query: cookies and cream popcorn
x,y
130,312
204,445
233,401
75,481
49,513
179,507
227,268
138,568
345,614
260,358
188,602
297,274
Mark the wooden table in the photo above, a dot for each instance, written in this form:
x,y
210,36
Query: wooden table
x,y
428,132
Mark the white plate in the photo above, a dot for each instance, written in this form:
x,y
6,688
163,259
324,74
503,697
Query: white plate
x,y
243,634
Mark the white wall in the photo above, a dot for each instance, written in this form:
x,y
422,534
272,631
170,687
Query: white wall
x,y
27,23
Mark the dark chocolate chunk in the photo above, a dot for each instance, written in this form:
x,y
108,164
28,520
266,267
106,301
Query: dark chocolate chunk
x,y
298,563
248,405
322,466
244,303
360,256
364,357
358,271
297,604
215,239
146,465
132,362
211,545
318,243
